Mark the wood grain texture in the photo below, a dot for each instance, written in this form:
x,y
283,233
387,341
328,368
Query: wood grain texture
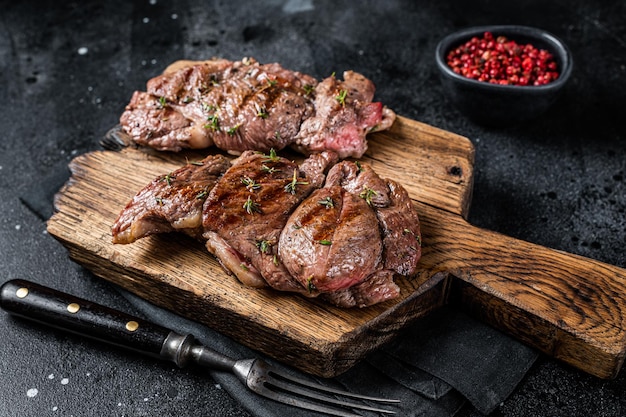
x,y
569,307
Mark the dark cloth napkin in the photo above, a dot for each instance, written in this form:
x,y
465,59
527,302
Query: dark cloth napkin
x,y
434,366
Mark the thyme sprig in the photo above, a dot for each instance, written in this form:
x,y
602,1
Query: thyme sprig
x,y
327,202
269,170
168,178
250,184
291,187
251,207
162,102
341,98
272,157
232,130
213,122
264,246
367,195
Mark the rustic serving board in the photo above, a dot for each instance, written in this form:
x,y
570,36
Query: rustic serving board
x,y
570,307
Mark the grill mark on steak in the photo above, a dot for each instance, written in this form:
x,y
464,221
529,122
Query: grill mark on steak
x,y
330,248
171,202
340,236
372,231
245,105
248,209
394,210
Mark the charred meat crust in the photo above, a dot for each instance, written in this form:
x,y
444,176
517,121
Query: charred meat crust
x,y
171,202
341,236
245,105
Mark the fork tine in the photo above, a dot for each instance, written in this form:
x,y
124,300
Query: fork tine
x,y
296,402
294,389
319,387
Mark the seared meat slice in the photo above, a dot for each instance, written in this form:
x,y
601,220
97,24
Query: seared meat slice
x,y
236,106
331,241
171,202
348,239
268,222
344,115
248,208
397,217
245,105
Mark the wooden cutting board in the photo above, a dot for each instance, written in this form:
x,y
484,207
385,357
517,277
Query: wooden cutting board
x,y
569,307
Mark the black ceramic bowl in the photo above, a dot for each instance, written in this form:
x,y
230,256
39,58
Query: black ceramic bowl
x,y
503,105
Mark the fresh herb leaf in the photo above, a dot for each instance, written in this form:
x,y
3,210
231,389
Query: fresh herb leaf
x,y
367,195
291,187
214,122
269,170
162,102
327,202
341,98
250,184
325,242
168,178
273,157
232,130
251,207
264,246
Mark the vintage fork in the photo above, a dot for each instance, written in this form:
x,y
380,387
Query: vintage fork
x,y
60,310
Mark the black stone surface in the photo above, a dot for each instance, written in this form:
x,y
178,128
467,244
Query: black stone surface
x,y
68,68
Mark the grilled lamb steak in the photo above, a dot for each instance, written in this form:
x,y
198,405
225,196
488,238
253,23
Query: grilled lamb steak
x,y
348,239
248,208
245,105
271,222
171,202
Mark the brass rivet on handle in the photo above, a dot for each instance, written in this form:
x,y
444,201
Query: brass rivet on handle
x,y
132,325
21,292
73,308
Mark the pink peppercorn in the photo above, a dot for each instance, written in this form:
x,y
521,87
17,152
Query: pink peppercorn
x,y
503,61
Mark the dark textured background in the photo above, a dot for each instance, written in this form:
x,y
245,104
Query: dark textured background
x,y
558,181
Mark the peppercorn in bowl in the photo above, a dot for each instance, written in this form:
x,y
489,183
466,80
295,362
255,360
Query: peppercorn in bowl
x,y
503,75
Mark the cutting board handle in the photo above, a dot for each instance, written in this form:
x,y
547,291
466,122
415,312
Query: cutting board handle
x,y
570,307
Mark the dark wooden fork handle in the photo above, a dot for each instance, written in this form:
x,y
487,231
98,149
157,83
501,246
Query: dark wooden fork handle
x,y
67,312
